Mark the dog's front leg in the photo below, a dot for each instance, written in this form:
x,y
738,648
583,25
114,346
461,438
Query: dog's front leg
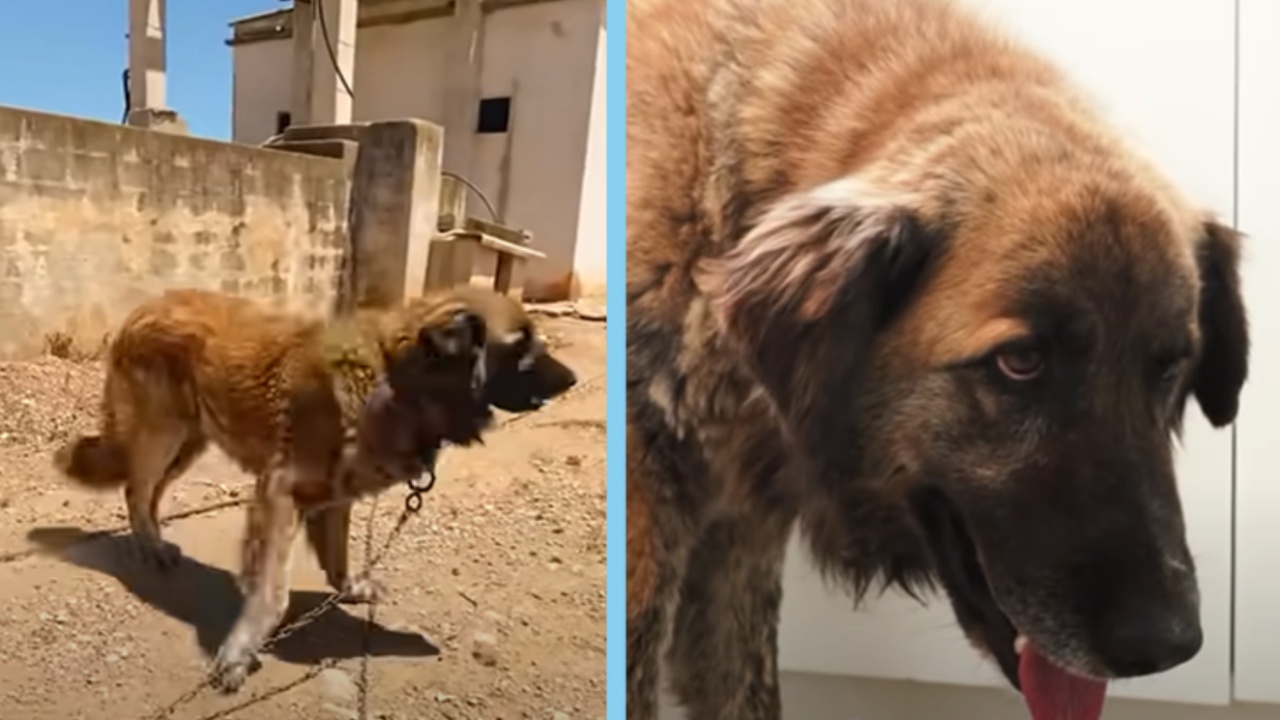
x,y
264,577
724,643
329,533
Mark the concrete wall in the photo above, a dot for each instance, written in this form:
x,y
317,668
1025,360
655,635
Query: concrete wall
x,y
591,251
261,78
398,71
546,175
95,217
544,57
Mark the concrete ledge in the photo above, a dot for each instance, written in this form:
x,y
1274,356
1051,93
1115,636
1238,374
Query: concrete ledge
x,y
158,119
336,149
349,131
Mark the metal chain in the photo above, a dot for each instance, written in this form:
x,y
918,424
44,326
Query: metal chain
x,y
272,692
362,698
412,505
183,699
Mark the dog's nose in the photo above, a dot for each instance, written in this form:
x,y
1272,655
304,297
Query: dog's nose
x,y
1145,643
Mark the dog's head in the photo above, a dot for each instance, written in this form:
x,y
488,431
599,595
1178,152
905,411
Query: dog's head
x,y
989,394
522,373
436,362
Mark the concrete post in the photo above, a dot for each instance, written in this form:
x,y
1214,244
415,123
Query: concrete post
x,y
330,101
304,46
462,84
395,202
147,53
147,67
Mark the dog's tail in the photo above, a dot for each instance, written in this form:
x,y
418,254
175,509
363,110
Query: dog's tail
x,y
153,346
93,461
101,460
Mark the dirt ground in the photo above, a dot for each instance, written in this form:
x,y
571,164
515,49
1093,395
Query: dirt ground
x,y
496,604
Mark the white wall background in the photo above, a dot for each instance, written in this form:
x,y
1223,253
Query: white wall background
x,y
1166,73
1257,669
260,87
591,252
545,175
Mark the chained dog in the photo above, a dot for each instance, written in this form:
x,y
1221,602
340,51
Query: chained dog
x,y
320,412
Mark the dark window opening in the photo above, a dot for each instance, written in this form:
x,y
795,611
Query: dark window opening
x,y
283,120
495,115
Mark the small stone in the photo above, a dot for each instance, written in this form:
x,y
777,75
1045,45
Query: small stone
x,y
484,648
338,711
336,685
560,716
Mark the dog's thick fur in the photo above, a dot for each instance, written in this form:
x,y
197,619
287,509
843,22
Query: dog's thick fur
x,y
320,412
890,277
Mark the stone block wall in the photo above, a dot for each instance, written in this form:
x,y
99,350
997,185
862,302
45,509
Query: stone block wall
x,y
95,217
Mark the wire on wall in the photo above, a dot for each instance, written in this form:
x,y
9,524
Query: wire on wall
x,y
128,98
346,85
488,205
328,46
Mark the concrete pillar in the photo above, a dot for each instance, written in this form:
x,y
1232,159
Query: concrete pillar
x,y
147,68
146,54
462,85
304,47
395,206
330,101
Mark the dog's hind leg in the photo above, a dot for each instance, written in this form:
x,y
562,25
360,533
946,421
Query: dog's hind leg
x,y
187,454
264,576
156,458
329,532
723,653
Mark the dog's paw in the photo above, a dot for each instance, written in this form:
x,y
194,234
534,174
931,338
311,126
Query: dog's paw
x,y
362,590
164,556
232,667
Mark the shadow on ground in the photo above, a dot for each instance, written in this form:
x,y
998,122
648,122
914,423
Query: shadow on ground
x,y
207,598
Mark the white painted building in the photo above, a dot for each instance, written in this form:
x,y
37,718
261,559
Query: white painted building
x,y
522,80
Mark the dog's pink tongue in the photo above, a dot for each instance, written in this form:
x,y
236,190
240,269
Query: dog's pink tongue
x,y
1055,694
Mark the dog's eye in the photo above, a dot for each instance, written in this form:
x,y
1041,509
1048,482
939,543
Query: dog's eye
x,y
1020,364
1168,371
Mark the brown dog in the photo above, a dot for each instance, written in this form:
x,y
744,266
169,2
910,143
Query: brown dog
x,y
890,278
321,413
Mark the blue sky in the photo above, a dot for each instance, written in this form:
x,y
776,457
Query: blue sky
x,y
66,56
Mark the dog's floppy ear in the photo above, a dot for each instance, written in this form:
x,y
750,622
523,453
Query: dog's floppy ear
x,y
807,289
464,333
1224,328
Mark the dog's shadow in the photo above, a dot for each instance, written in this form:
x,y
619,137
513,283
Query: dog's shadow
x,y
207,598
